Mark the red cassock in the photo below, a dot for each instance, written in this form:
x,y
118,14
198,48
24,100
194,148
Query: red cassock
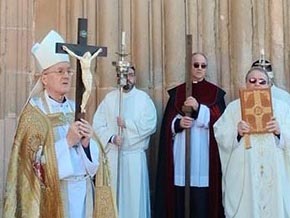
x,y
212,96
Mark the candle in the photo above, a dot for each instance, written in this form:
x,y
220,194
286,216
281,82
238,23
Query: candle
x,y
123,38
262,56
262,52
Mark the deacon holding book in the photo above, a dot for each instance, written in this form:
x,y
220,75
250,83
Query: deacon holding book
x,y
53,158
255,180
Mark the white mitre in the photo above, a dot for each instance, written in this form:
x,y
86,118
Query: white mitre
x,y
44,52
45,56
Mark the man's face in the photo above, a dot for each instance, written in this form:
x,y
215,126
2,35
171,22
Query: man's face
x,y
131,79
257,80
198,67
57,79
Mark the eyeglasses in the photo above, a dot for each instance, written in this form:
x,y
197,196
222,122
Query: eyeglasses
x,y
198,65
260,81
131,74
61,72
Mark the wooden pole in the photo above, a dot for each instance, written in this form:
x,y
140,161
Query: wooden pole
x,y
188,111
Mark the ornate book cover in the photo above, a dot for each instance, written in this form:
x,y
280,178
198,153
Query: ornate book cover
x,y
256,108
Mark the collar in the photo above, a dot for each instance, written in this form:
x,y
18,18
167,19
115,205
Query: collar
x,y
54,106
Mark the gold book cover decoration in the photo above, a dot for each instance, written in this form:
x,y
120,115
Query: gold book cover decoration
x,y
256,108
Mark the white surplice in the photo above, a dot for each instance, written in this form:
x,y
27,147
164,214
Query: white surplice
x,y
256,181
140,117
74,168
199,151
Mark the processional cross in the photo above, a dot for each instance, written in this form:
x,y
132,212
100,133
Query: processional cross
x,y
84,54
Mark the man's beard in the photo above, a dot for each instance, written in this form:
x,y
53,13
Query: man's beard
x,y
128,87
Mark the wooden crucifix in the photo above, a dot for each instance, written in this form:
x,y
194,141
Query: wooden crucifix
x,y
82,51
187,111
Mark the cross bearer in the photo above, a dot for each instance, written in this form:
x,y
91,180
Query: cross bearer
x,y
207,102
53,158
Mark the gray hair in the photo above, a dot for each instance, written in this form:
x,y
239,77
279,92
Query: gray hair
x,y
262,70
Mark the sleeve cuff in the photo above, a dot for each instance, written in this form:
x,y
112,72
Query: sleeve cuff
x,y
239,137
177,127
88,152
194,113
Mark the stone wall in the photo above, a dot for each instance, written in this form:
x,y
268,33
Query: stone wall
x,y
231,33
